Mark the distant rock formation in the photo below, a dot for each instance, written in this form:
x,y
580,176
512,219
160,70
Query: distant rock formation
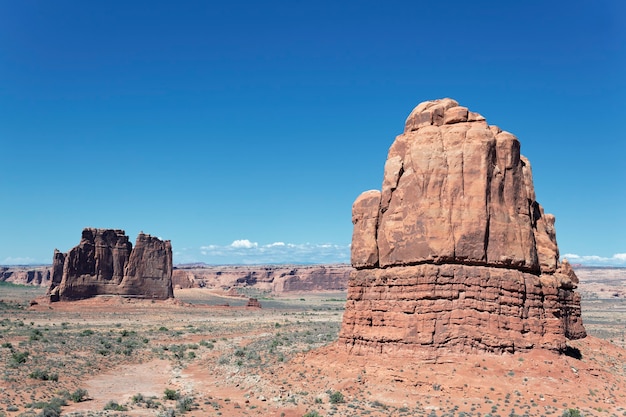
x,y
105,263
455,252
26,275
271,278
253,302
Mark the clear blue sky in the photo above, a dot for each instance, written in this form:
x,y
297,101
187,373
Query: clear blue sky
x,y
243,131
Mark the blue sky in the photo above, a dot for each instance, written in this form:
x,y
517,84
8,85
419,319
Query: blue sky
x,y
243,131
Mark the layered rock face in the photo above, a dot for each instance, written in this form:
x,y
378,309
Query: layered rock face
x,y
273,278
24,275
455,252
105,263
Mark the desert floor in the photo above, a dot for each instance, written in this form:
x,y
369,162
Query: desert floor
x,y
195,356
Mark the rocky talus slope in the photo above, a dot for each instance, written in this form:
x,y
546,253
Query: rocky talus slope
x,y
455,253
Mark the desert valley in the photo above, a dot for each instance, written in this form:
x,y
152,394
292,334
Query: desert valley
x,y
456,303
281,359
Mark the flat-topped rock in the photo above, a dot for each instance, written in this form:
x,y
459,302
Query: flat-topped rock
x,y
105,263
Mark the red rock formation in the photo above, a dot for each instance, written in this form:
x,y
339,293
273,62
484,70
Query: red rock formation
x,y
455,252
273,278
105,263
149,268
26,275
254,303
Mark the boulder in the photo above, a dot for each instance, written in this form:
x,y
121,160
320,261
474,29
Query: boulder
x,y
455,252
253,303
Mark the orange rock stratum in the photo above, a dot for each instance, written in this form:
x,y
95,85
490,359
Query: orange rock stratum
x,y
455,254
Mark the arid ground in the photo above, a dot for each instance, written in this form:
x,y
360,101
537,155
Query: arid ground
x,y
195,356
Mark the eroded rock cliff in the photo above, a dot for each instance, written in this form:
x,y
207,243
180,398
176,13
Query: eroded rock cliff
x,y
105,263
270,278
26,275
455,252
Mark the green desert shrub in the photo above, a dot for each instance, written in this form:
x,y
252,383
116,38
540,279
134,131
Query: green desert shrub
x,y
336,397
44,375
171,394
185,404
152,403
572,412
206,344
19,357
35,334
49,412
51,408
79,395
114,406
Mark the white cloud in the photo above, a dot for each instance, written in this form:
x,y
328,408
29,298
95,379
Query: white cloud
x,y
618,259
18,261
244,251
244,243
271,245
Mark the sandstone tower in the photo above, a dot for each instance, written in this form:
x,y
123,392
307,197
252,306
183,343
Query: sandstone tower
x,y
105,263
455,253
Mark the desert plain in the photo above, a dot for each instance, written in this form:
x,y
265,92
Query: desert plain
x,y
204,353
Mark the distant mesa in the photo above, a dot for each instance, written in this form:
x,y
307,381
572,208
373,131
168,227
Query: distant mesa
x,y
105,263
276,279
455,253
26,275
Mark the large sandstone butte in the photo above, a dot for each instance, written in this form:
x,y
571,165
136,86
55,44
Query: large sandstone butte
x,y
455,254
105,263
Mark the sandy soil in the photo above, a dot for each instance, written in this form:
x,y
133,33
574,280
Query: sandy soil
x,y
277,361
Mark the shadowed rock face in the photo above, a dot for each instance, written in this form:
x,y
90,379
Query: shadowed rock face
x,y
105,263
455,252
